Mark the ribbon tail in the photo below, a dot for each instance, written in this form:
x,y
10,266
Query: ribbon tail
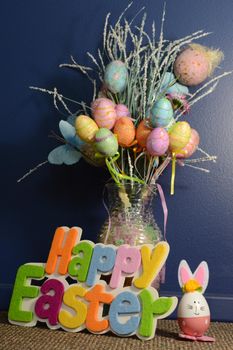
x,y
162,273
173,173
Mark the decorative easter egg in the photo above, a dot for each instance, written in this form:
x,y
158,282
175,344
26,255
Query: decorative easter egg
x,y
167,79
142,132
105,142
193,321
193,310
157,142
196,63
103,111
125,131
161,113
178,89
122,111
169,85
191,67
179,136
191,146
86,128
116,76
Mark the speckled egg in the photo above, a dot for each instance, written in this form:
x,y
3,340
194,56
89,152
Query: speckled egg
x,y
125,131
191,146
105,142
161,113
142,132
116,76
103,111
179,136
86,128
157,142
122,111
191,67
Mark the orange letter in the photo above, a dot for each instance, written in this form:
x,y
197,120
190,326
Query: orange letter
x,y
95,296
62,245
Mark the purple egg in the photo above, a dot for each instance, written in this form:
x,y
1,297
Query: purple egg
x,y
122,111
157,142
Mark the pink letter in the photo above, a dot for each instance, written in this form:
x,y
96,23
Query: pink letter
x,y
128,260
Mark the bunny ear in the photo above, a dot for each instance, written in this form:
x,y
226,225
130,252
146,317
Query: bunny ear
x,y
202,275
184,273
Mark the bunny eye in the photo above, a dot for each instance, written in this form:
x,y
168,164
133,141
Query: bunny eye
x,y
189,307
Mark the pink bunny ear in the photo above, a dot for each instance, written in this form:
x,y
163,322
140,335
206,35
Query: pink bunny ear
x,y
184,273
201,275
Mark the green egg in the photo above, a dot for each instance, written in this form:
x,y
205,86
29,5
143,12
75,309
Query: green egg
x,y
105,142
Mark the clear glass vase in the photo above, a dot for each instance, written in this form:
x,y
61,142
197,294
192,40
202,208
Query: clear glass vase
x,y
131,217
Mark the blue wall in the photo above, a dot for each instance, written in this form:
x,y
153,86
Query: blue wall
x,y
36,36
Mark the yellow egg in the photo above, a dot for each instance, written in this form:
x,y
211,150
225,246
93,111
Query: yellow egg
x,y
179,136
86,128
125,131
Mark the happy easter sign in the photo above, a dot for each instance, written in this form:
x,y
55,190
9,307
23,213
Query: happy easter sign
x,y
67,292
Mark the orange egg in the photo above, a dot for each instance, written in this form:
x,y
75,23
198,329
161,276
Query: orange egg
x,y
142,132
191,146
125,131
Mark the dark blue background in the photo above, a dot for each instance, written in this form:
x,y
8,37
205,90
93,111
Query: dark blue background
x,y
35,37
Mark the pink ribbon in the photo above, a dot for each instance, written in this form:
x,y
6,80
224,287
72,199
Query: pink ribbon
x,y
165,216
165,210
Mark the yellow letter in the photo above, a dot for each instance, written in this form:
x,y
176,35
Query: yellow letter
x,y
66,318
152,262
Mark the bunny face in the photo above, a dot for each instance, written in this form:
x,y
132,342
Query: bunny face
x,y
192,305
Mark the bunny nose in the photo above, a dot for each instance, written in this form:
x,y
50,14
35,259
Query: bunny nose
x,y
197,309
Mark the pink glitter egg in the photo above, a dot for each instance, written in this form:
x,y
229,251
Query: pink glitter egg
x,y
157,142
191,67
103,111
122,111
191,146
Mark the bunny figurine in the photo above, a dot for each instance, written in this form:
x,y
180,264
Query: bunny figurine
x,y
193,310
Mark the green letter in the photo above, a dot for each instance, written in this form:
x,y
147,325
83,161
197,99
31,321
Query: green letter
x,y
79,266
23,289
154,307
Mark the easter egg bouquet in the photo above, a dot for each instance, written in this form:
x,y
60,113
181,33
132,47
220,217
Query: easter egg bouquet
x,y
133,125
136,124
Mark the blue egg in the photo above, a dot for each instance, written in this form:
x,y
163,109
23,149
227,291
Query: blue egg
x,y
177,88
161,113
168,78
115,76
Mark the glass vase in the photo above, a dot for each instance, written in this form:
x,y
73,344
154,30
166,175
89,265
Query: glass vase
x,y
131,217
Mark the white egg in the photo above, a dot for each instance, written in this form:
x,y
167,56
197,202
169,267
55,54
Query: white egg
x,y
193,304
